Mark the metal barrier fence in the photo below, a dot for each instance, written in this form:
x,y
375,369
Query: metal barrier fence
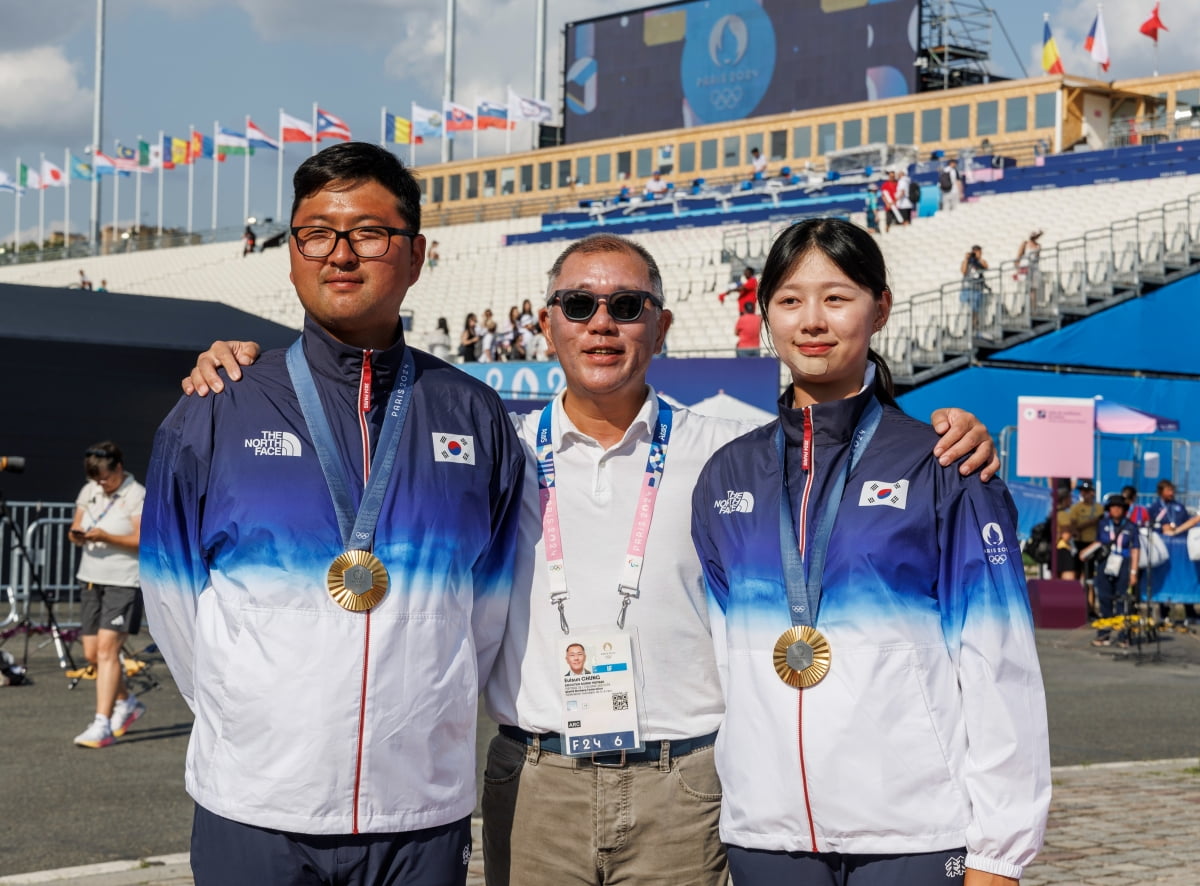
x,y
42,528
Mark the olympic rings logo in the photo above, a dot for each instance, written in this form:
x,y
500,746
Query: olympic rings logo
x,y
998,559
727,98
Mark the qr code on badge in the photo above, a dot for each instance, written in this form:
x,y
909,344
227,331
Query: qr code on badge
x,y
620,701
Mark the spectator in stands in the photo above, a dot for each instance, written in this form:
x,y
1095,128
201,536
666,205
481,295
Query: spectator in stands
x,y
1166,514
439,342
469,340
528,318
103,287
85,282
747,290
248,241
1139,515
904,197
656,187
974,286
758,165
950,184
489,344
107,525
871,207
539,345
887,193
748,330
1028,270
623,195
432,258
1117,569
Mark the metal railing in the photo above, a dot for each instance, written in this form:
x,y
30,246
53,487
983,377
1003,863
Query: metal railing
x,y
42,528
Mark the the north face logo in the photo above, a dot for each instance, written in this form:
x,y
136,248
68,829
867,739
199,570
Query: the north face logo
x,y
735,503
274,443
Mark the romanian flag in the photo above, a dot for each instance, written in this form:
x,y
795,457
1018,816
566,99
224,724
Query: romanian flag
x,y
396,130
1051,63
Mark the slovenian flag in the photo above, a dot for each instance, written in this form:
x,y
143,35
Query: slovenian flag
x,y
294,129
396,130
1051,62
329,126
258,138
1096,42
492,115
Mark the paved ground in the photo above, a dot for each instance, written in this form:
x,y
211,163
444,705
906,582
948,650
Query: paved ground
x,y
121,812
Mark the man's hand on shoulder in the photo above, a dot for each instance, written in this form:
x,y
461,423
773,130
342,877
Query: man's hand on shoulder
x,y
228,355
962,434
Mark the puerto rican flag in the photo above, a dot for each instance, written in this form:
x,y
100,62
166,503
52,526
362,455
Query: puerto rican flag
x,y
329,126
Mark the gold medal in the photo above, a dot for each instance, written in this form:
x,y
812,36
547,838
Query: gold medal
x,y
357,580
802,657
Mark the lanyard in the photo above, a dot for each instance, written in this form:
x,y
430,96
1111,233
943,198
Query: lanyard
x,y
1117,534
358,532
631,573
804,589
111,501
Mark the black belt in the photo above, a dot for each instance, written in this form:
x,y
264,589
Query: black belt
x,y
552,742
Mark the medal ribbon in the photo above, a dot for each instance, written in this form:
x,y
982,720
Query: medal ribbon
x,y
357,528
804,587
631,573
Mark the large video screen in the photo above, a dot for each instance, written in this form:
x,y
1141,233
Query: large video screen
x,y
713,61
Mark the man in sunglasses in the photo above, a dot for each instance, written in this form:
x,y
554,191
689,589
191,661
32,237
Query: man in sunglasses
x,y
326,617
597,549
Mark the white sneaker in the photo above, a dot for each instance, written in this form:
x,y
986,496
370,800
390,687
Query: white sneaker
x,y
97,735
125,713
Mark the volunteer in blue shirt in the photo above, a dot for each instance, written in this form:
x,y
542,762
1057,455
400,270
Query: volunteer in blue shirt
x,y
1166,514
1117,566
885,718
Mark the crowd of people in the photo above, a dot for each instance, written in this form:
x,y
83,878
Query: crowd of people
x,y
483,340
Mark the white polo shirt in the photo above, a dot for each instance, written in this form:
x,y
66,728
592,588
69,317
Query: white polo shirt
x,y
102,563
598,490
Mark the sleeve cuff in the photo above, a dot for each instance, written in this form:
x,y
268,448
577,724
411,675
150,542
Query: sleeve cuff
x,y
994,866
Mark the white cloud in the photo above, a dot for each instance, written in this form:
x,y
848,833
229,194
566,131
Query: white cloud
x,y
42,94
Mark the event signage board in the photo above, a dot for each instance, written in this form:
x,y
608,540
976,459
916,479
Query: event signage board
x,y
1056,436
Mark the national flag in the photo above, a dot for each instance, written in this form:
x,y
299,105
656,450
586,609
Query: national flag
x,y
329,126
426,123
1051,62
1096,42
258,138
295,129
7,183
52,176
144,159
156,157
492,115
459,118
521,108
202,146
106,165
1151,26
232,144
80,169
396,130
126,159
27,178
166,156
181,152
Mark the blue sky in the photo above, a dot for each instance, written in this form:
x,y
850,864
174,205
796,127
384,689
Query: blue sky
x,y
175,63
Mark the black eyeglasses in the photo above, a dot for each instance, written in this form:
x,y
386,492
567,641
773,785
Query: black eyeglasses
x,y
624,306
369,241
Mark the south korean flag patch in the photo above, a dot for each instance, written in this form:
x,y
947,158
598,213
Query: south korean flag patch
x,y
882,492
457,448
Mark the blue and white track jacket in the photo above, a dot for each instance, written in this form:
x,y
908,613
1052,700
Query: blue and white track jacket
x,y
929,731
310,718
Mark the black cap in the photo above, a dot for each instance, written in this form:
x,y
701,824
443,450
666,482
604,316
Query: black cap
x,y
1085,485
1117,501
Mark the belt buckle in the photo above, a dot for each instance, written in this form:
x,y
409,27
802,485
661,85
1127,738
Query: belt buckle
x,y
615,764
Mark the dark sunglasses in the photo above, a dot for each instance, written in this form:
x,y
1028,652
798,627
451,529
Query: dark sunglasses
x,y
624,306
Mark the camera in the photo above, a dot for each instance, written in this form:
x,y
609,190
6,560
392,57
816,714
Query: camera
x,y
14,464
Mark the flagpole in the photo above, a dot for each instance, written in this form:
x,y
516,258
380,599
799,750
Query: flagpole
x,y
41,206
162,168
279,173
97,118
246,177
67,171
17,212
412,134
314,130
112,246
475,133
216,158
137,191
448,78
383,126
509,122
191,174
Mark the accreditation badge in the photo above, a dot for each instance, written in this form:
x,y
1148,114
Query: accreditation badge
x,y
600,712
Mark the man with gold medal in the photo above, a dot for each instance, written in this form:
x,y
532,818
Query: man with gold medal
x,y
327,618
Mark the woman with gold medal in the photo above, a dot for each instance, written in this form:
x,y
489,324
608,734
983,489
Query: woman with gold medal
x,y
885,719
